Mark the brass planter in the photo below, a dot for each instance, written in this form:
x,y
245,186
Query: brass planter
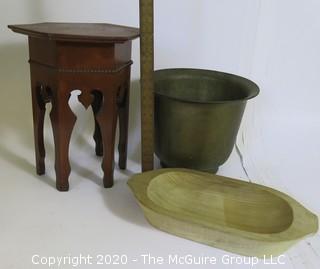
x,y
197,116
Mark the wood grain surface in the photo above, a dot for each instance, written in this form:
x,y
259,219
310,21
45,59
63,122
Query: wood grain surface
x,y
240,217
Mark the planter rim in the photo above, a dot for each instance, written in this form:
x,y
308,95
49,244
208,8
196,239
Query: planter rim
x,y
252,87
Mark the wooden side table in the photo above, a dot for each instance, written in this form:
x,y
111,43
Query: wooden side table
x,y
92,58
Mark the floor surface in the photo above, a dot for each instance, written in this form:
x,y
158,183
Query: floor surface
x,y
37,222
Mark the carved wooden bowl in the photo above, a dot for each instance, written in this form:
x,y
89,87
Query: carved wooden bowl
x,y
233,215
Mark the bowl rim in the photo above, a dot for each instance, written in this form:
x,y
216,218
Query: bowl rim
x,y
253,88
296,231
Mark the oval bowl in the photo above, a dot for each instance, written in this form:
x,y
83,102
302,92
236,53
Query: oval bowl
x,y
234,215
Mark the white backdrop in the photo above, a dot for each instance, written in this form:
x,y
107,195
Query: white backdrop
x,y
275,43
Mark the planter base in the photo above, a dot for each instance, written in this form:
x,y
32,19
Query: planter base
x,y
213,170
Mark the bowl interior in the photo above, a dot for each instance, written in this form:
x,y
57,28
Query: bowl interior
x,y
203,86
225,203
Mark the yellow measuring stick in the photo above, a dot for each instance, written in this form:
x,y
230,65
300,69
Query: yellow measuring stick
x,y
147,83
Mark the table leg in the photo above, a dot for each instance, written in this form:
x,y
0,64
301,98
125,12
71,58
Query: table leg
x,y
107,119
63,120
39,110
96,105
123,127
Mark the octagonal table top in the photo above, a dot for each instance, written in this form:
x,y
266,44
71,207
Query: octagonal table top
x,y
81,32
